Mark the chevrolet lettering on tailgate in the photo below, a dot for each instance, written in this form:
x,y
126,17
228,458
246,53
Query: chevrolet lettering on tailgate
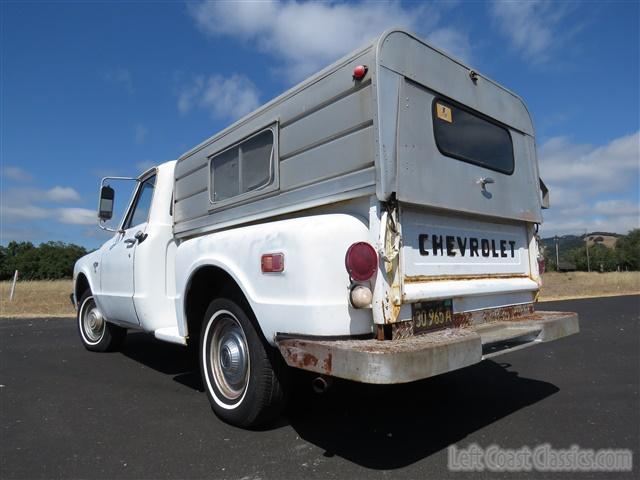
x,y
452,246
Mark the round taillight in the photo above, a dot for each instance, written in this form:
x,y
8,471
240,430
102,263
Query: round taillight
x,y
361,261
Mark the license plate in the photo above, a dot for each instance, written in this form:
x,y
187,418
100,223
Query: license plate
x,y
429,316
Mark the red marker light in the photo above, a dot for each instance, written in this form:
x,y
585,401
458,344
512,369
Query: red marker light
x,y
361,261
359,72
272,263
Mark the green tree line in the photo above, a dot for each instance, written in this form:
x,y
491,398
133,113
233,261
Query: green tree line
x,y
624,256
47,261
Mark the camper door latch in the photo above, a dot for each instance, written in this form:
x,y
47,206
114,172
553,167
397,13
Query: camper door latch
x,y
483,181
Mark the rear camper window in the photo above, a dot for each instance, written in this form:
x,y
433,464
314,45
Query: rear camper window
x,y
472,138
243,168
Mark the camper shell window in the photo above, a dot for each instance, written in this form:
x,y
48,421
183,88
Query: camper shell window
x,y
471,137
244,169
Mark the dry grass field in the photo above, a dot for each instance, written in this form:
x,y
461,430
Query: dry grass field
x,y
558,286
51,298
37,299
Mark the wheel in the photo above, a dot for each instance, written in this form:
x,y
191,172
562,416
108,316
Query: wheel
x,y
238,372
96,333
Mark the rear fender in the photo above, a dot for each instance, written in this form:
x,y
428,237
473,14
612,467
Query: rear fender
x,y
311,295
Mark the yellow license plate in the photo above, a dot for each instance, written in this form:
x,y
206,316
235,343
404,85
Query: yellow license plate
x,y
429,316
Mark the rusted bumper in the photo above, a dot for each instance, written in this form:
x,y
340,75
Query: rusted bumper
x,y
418,357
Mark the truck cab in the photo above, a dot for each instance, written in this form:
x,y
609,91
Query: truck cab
x,y
376,223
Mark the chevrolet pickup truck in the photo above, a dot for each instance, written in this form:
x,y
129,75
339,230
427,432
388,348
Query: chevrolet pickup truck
x,y
376,223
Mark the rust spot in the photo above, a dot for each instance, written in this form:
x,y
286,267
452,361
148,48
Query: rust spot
x,y
327,364
425,278
506,314
462,319
402,330
300,358
309,360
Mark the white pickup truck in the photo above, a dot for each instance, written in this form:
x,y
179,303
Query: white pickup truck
x,y
377,223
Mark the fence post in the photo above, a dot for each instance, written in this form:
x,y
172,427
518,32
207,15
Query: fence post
x,y
13,285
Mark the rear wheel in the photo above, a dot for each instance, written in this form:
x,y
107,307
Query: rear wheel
x,y
96,333
240,378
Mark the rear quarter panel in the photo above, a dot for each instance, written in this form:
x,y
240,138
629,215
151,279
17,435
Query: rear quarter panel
x,y
310,297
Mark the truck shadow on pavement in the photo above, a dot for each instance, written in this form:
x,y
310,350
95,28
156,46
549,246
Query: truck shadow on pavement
x,y
388,427
378,427
164,357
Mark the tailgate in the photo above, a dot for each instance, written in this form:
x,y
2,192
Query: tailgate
x,y
452,256
438,246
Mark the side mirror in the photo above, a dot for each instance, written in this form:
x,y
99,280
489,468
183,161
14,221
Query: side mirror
x,y
105,209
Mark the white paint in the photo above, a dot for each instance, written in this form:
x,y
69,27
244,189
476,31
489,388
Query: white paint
x,y
170,334
415,292
310,297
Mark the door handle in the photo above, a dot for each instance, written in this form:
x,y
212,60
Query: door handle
x,y
140,236
130,241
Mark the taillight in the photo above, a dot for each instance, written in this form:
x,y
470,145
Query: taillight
x,y
542,265
361,261
272,263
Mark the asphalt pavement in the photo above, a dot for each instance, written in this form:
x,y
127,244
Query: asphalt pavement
x,y
141,413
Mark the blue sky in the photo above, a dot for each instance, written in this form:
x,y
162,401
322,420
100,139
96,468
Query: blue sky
x,y
90,89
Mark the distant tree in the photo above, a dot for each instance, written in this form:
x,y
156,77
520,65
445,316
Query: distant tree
x,y
628,250
48,261
549,260
578,256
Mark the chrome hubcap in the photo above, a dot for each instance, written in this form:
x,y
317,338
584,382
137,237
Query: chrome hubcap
x,y
228,358
93,322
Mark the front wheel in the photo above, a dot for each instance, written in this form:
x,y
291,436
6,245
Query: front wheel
x,y
238,374
96,333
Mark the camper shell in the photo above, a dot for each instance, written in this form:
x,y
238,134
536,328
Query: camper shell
x,y
336,138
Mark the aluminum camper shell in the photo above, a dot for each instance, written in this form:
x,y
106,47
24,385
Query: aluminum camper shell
x,y
338,138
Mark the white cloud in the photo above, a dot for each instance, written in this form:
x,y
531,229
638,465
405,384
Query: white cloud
x,y
77,216
61,194
16,173
532,26
617,207
225,97
25,204
305,37
140,133
14,212
592,188
598,169
121,77
22,196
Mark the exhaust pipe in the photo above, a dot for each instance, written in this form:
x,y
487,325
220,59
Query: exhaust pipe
x,y
321,384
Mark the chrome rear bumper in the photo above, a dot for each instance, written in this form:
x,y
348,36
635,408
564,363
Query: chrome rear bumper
x,y
418,357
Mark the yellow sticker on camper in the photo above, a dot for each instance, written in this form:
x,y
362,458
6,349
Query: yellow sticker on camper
x,y
444,113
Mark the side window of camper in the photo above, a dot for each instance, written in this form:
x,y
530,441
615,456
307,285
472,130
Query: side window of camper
x,y
243,168
471,137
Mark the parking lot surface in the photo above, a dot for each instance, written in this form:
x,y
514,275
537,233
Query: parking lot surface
x,y
142,413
